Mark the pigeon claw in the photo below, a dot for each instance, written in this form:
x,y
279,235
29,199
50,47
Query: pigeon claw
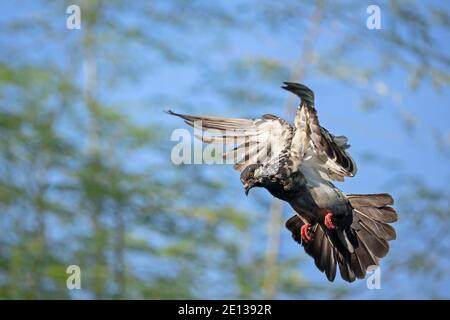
x,y
304,233
328,221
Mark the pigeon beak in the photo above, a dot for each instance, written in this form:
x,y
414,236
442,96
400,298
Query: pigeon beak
x,y
247,188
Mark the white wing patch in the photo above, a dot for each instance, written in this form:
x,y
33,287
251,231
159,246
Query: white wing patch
x,y
248,141
320,150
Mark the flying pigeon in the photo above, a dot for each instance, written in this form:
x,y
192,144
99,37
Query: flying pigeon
x,y
297,164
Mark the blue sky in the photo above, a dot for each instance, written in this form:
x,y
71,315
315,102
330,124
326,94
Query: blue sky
x,y
378,131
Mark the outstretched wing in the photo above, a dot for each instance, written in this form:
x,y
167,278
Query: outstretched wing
x,y
325,153
316,148
248,141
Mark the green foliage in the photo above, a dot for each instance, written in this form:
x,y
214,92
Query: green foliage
x,y
74,188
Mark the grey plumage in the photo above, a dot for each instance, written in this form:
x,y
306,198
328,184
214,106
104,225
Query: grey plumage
x,y
298,164
253,140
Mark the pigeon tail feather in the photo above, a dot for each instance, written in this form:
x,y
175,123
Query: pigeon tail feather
x,y
357,246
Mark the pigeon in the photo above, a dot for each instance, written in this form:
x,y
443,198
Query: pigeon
x,y
298,164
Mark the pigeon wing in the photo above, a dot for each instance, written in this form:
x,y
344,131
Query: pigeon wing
x,y
248,141
322,151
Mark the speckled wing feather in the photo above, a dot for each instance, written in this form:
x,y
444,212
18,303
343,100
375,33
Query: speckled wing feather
x,y
251,140
329,152
317,148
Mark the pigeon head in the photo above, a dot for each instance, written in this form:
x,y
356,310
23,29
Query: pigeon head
x,y
248,178
306,94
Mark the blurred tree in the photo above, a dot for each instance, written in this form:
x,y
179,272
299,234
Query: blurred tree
x,y
407,42
77,183
69,194
70,191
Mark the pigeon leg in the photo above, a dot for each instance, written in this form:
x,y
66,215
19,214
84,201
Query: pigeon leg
x,y
328,221
304,233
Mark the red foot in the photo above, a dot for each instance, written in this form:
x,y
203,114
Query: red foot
x,y
328,221
304,233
